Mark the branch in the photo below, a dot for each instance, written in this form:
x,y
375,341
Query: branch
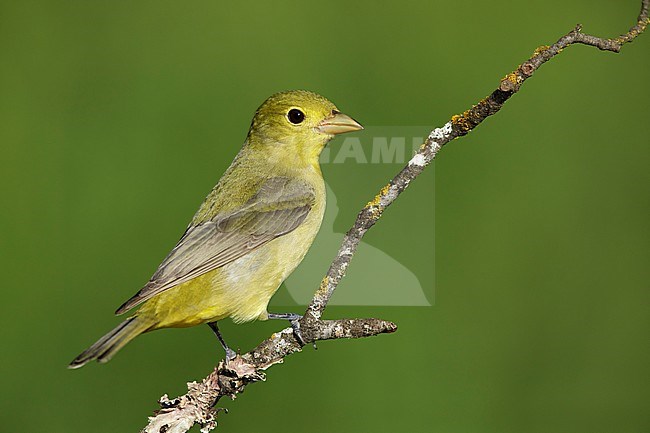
x,y
197,406
458,126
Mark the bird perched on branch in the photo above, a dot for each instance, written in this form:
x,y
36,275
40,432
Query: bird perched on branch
x,y
249,234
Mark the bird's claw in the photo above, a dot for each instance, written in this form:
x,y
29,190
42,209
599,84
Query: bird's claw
x,y
230,355
295,325
294,320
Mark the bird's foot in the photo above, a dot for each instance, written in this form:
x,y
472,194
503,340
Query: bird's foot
x,y
230,355
294,320
285,316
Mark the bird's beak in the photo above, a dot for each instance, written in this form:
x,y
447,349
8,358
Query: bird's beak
x,y
338,123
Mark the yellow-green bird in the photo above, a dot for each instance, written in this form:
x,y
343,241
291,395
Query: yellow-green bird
x,y
249,234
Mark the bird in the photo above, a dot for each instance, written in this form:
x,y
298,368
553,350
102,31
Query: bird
x,y
249,234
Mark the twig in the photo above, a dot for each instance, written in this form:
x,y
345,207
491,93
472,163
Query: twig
x,y
458,126
197,406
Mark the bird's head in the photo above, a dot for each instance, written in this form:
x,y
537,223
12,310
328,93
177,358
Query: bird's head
x,y
298,121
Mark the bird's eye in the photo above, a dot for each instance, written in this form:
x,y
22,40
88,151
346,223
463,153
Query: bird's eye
x,y
295,116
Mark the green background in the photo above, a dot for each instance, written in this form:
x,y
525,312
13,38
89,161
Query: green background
x,y
116,118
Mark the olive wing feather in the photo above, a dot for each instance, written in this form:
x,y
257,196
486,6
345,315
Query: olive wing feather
x,y
279,207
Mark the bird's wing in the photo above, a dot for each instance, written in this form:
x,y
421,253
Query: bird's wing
x,y
279,207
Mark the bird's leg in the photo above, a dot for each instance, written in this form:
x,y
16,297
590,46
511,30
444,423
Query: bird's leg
x,y
294,320
230,354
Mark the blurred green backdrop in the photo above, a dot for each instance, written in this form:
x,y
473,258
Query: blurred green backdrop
x,y
116,118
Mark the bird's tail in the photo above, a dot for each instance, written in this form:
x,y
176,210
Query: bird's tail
x,y
104,349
